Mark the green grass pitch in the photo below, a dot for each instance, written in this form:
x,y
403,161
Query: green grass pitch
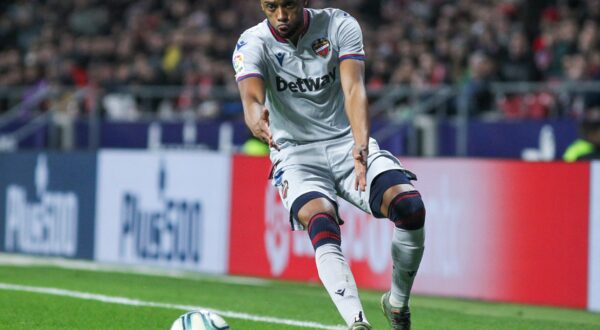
x,y
276,299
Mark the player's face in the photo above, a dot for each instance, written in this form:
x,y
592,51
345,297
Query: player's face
x,y
286,16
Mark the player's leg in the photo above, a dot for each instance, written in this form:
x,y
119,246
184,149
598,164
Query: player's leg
x,y
392,196
318,214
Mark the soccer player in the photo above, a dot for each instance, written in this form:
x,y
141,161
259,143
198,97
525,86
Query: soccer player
x,y
300,74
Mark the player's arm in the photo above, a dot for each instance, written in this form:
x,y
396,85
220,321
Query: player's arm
x,y
352,77
256,115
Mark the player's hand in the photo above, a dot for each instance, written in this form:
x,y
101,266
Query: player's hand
x,y
360,153
262,131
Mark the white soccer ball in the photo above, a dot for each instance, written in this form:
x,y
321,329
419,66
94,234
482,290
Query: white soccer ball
x,y
200,320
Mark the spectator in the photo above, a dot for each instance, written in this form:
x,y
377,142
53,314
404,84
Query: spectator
x,y
156,42
517,63
476,97
588,146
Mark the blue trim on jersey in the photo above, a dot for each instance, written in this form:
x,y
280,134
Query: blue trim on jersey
x,y
250,75
353,57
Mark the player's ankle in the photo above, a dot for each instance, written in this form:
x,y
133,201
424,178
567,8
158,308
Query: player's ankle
x,y
398,303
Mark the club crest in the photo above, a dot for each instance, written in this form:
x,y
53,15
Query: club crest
x,y
321,47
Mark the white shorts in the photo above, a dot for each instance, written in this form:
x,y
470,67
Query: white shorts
x,y
326,167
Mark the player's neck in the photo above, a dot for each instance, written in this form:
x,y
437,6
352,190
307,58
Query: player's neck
x,y
294,38
301,29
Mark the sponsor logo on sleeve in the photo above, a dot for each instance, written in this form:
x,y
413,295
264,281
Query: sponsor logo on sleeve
x,y
238,63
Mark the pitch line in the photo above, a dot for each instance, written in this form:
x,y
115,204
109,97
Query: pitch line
x,y
28,261
141,303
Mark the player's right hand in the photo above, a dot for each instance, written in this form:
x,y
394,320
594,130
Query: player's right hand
x,y
360,153
262,131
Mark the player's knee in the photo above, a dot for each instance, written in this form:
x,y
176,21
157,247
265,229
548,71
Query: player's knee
x,y
407,210
323,228
306,213
382,183
309,204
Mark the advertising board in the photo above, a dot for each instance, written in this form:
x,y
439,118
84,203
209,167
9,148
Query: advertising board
x,y
594,238
47,204
163,208
492,227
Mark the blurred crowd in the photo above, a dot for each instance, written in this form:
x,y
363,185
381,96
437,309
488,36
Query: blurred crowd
x,y
119,44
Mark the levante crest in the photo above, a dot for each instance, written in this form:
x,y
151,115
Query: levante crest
x,y
321,46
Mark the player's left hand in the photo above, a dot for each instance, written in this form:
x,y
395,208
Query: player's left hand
x,y
360,153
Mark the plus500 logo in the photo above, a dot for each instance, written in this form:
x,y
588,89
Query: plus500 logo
x,y
46,224
172,232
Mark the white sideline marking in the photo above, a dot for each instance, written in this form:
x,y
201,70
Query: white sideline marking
x,y
27,261
141,303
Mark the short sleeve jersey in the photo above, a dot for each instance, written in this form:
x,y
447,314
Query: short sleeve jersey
x,y
303,89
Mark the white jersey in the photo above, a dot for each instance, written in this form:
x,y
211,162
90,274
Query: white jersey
x,y
303,89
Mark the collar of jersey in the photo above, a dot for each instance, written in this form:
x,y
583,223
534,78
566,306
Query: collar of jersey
x,y
304,29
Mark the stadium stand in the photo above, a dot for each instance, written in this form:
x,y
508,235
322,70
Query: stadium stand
x,y
172,58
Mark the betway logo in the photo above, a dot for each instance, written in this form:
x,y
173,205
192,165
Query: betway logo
x,y
309,84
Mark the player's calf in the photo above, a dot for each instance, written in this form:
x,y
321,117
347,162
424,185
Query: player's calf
x,y
406,209
407,212
334,271
323,229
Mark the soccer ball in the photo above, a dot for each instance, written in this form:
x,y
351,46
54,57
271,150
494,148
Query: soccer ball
x,y
200,320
